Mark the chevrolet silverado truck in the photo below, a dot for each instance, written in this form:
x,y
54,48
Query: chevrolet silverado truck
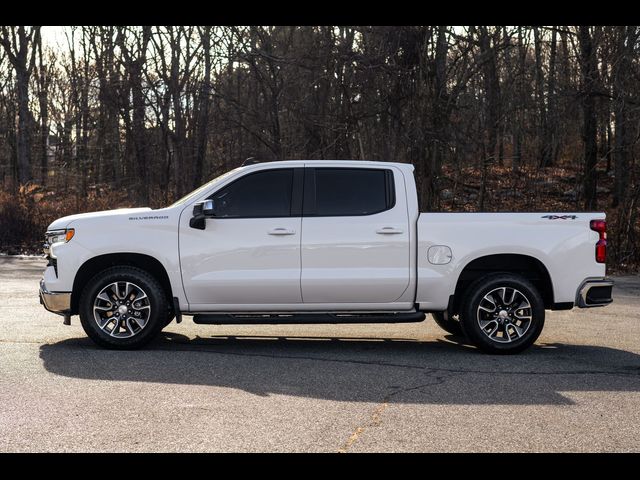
x,y
321,242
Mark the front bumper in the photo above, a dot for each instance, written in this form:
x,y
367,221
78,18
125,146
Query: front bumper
x,y
595,293
55,302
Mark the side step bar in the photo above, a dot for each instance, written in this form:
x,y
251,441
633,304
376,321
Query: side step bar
x,y
307,318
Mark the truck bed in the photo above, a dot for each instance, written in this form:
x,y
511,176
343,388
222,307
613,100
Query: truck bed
x,y
563,242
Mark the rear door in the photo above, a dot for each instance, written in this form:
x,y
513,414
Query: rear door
x,y
355,235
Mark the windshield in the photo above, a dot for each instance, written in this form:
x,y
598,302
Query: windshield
x,y
201,189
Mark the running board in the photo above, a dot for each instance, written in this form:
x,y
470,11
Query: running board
x,y
307,318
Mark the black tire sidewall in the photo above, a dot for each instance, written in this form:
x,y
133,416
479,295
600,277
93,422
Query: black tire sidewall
x,y
448,325
472,299
157,319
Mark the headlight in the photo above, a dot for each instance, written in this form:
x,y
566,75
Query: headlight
x,y
57,236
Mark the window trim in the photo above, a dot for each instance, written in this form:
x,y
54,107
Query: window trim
x,y
295,209
309,207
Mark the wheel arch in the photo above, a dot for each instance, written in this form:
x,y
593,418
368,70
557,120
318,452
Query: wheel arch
x,y
526,266
99,263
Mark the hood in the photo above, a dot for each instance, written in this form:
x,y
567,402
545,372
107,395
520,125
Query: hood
x,y
64,222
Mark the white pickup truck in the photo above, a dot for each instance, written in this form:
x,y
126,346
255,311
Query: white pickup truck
x,y
321,242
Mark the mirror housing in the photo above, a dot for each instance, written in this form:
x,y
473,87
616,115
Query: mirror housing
x,y
202,211
208,209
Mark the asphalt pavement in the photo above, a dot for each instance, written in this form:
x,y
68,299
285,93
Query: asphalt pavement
x,y
317,388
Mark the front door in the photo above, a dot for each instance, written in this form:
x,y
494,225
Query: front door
x,y
249,253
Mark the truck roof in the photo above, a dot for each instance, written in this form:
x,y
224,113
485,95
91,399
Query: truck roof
x,y
354,163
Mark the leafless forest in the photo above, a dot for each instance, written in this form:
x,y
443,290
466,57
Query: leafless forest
x,y
500,118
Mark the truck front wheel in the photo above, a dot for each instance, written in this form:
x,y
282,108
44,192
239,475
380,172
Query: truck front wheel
x,y
123,308
502,313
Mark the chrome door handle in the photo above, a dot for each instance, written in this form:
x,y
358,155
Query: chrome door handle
x,y
281,231
389,231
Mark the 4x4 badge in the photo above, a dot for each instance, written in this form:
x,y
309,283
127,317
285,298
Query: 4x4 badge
x,y
560,217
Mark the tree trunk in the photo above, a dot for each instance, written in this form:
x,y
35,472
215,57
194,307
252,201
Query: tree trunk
x,y
441,115
23,133
17,43
550,151
492,87
590,128
520,104
623,129
43,102
203,109
139,133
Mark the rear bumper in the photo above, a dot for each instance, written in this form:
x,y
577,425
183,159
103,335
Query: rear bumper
x,y
55,302
594,293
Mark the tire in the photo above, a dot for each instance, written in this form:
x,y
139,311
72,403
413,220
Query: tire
x,y
450,325
492,320
123,308
169,319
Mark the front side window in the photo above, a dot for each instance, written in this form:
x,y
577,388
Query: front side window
x,y
261,194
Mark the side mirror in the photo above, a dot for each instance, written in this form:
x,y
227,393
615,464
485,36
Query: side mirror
x,y
201,211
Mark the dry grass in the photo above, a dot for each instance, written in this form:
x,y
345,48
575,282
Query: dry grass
x,y
25,215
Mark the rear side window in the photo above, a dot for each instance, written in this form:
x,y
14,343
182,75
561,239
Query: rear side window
x,y
261,194
351,192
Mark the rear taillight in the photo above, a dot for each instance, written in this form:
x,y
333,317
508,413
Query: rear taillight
x,y
600,226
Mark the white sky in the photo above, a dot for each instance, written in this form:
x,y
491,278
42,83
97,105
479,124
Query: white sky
x,y
53,35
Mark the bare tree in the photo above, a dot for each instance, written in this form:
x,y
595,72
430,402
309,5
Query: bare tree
x,y
488,57
588,69
18,43
43,82
133,48
626,38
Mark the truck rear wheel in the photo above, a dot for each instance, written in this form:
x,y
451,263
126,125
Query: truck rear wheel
x,y
123,308
502,313
447,323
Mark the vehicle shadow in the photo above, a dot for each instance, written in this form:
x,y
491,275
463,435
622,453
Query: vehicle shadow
x,y
357,369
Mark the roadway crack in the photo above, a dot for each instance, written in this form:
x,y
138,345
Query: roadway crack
x,y
20,342
375,419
